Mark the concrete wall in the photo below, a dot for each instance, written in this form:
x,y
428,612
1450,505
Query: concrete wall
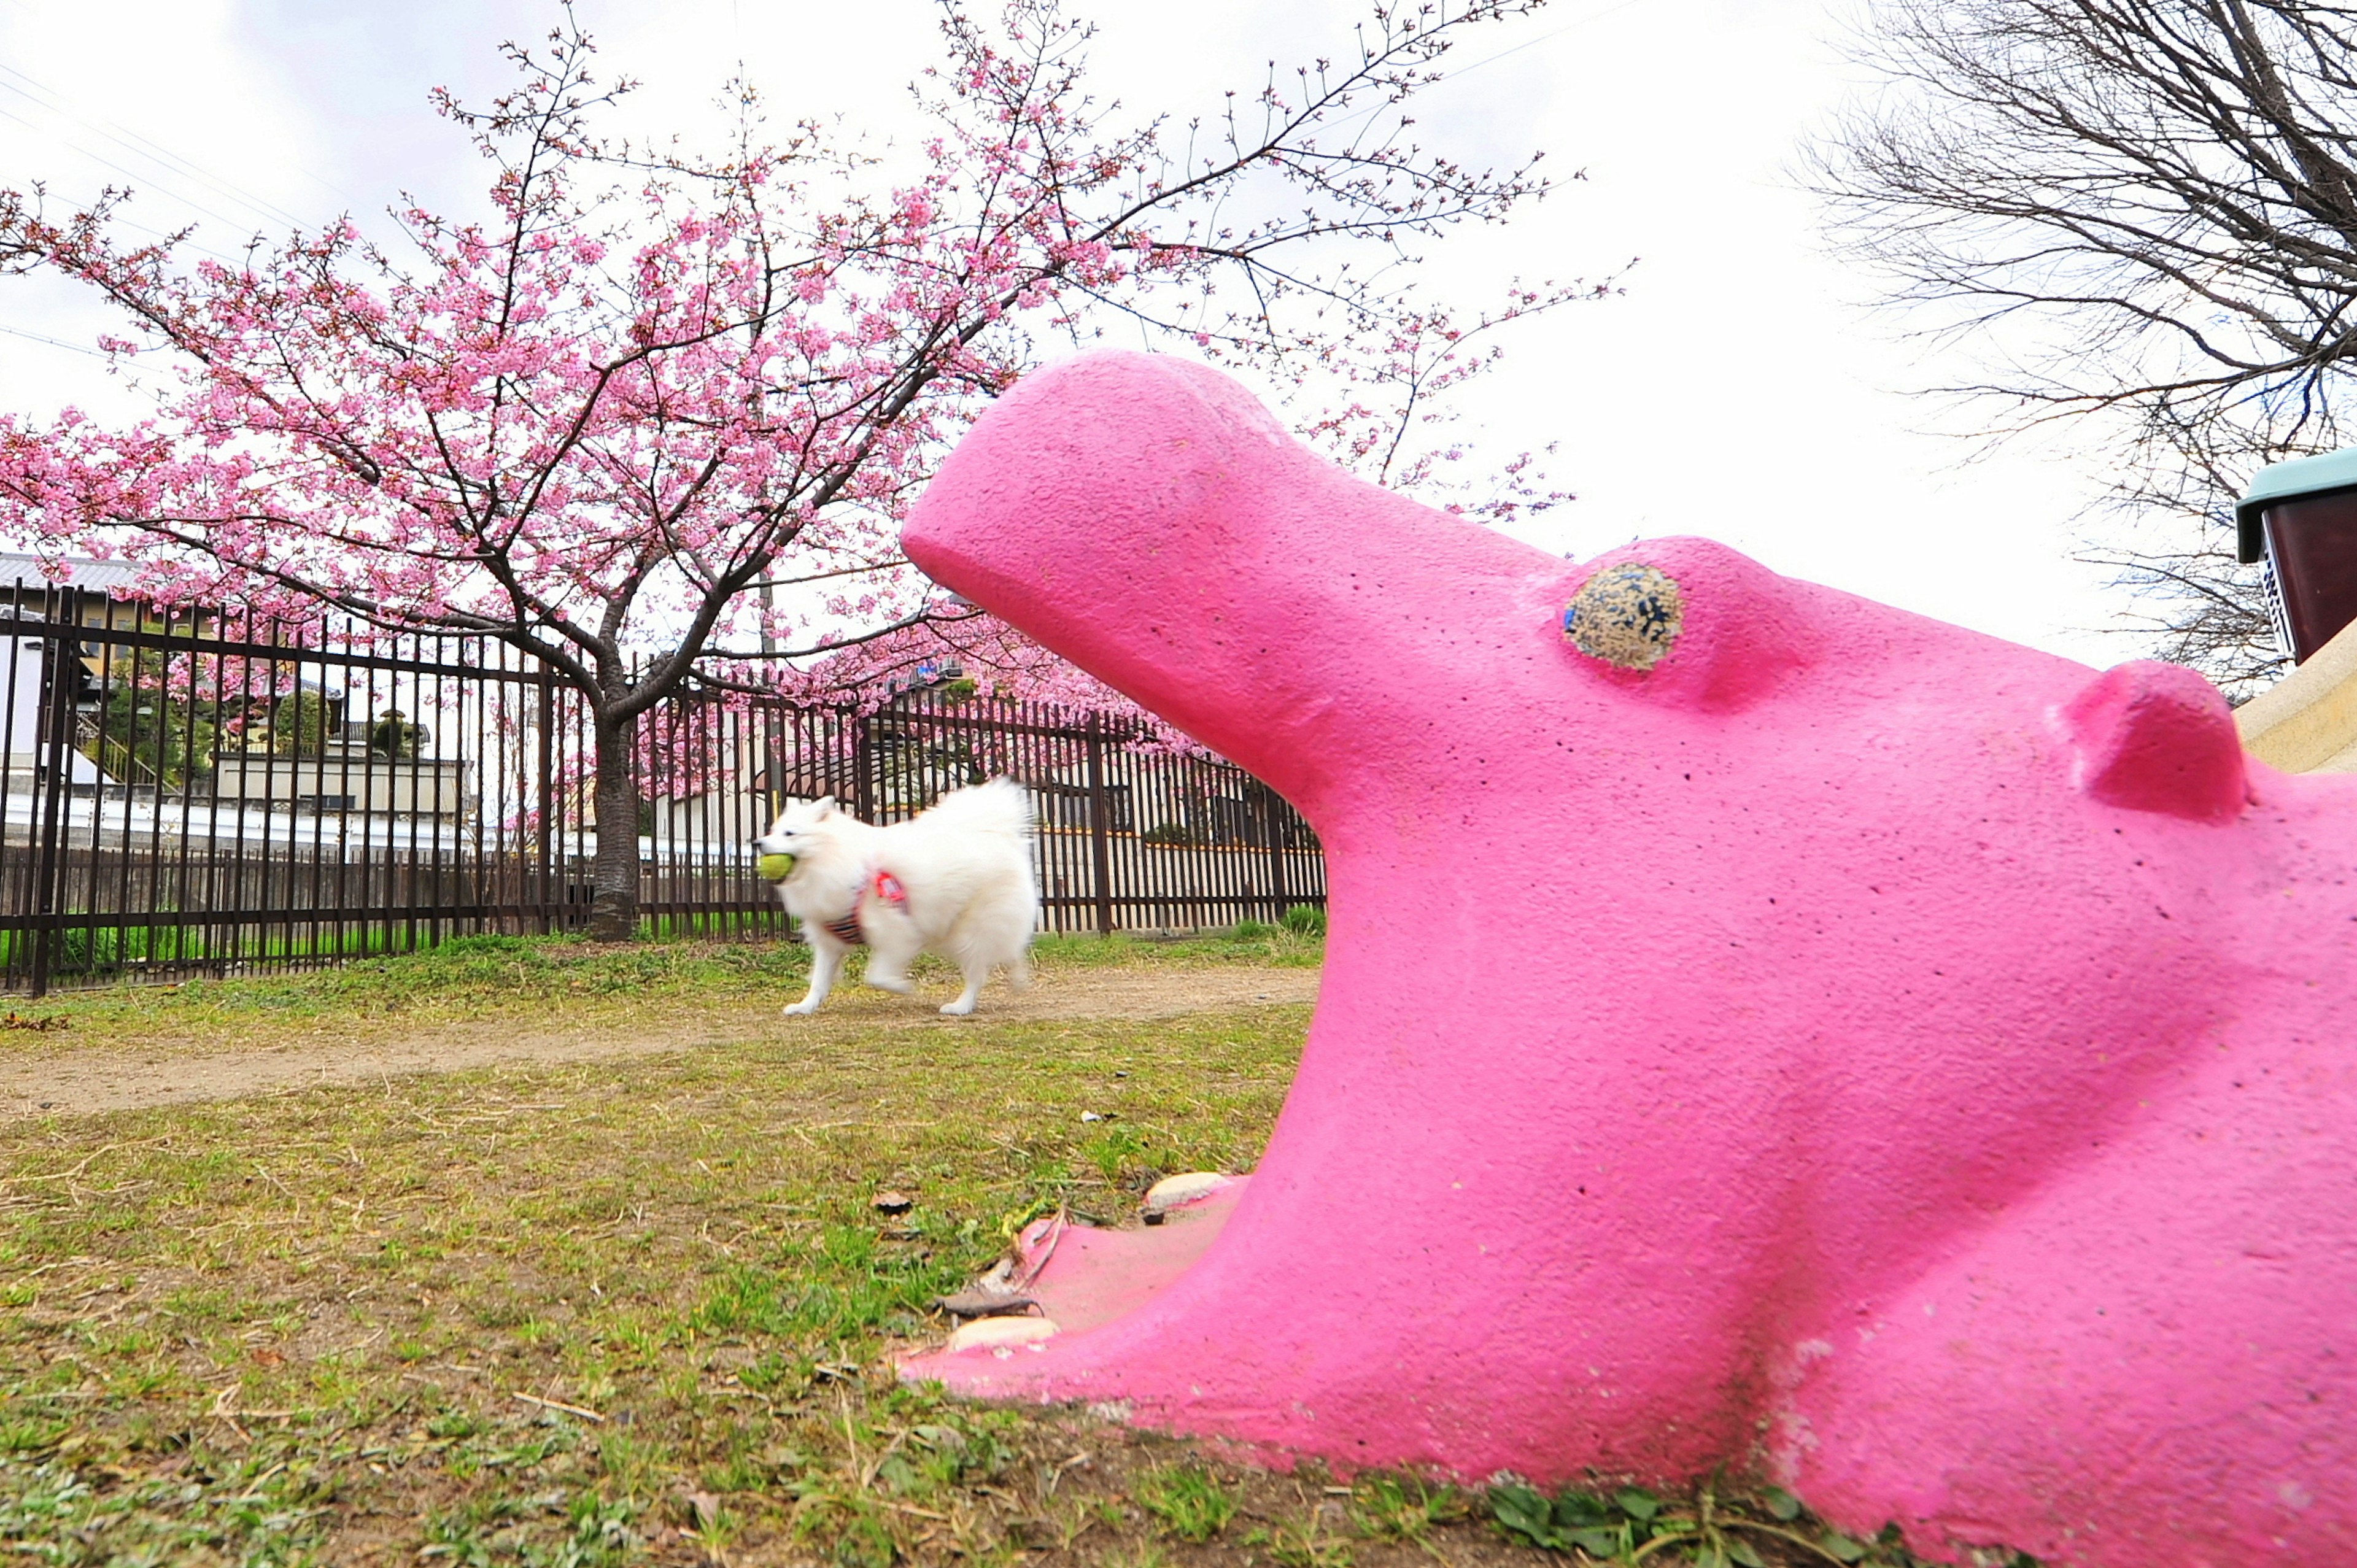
x,y
2306,722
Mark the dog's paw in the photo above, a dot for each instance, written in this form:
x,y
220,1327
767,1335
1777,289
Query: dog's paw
x,y
957,1009
800,1009
896,983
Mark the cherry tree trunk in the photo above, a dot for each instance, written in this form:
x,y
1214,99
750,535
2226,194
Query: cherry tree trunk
x,y
614,877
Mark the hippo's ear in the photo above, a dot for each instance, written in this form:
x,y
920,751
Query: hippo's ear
x,y
2158,737
1688,620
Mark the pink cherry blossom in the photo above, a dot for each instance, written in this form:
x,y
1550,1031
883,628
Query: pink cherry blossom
x,y
654,421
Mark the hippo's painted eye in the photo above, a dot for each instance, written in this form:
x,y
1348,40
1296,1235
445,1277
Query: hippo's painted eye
x,y
1628,616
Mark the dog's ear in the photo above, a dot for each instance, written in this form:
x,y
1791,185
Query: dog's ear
x,y
823,806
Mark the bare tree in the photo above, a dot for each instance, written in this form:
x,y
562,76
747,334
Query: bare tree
x,y
2143,214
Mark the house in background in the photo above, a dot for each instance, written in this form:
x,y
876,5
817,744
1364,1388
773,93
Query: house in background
x,y
151,720
24,669
103,596
106,597
304,749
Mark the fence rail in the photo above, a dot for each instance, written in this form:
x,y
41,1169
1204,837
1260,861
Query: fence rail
x,y
210,794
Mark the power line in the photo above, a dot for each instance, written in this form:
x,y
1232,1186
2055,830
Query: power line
x,y
1543,37
1450,76
53,342
132,142
127,174
50,100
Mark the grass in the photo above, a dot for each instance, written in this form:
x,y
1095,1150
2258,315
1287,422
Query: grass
x,y
1188,1500
495,978
519,1317
634,1311
100,951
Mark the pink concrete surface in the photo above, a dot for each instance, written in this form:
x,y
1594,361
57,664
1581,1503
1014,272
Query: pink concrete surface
x,y
1857,1051
1083,1276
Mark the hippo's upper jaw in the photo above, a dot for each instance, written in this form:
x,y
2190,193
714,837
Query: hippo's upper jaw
x,y
1759,1026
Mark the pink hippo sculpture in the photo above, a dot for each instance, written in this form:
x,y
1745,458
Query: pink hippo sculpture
x,y
1760,1027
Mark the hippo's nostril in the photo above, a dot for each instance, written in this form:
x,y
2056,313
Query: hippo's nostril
x,y
1628,616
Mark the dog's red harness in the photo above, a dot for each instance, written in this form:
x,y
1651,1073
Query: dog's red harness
x,y
845,928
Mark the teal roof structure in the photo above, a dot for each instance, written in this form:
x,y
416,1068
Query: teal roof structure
x,y
2290,481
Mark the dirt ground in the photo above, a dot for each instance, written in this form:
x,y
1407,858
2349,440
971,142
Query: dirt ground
x,y
81,1081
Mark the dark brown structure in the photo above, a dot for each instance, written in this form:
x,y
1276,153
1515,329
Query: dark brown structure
x,y
2301,518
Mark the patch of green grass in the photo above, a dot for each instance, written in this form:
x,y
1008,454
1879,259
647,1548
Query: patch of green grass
x,y
1403,1508
1188,1500
1715,1529
504,977
1251,941
1306,1544
100,951
512,1316
1142,1554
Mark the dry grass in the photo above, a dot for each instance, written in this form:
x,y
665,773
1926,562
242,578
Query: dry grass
x,y
613,1313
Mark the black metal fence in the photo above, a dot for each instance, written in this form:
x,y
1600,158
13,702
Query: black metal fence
x,y
208,792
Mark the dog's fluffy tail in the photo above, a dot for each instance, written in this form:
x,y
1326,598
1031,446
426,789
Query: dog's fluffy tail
x,y
1001,806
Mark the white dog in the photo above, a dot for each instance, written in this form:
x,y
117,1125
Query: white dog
x,y
955,880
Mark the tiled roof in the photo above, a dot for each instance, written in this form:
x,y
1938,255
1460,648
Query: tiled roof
x,y
109,577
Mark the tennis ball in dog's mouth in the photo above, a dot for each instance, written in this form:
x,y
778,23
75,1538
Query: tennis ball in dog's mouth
x,y
776,867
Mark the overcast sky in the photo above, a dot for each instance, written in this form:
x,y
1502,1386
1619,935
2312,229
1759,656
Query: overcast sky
x,y
1735,388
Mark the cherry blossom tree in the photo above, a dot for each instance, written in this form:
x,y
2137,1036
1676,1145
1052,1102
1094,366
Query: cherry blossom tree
x,y
656,408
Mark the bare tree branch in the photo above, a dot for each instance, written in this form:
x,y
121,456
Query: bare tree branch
x,y
2142,215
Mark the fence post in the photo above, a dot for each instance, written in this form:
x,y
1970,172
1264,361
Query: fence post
x,y
1271,829
1100,840
60,656
862,754
552,882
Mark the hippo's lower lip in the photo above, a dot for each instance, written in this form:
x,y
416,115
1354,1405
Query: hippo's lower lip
x,y
1772,1030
